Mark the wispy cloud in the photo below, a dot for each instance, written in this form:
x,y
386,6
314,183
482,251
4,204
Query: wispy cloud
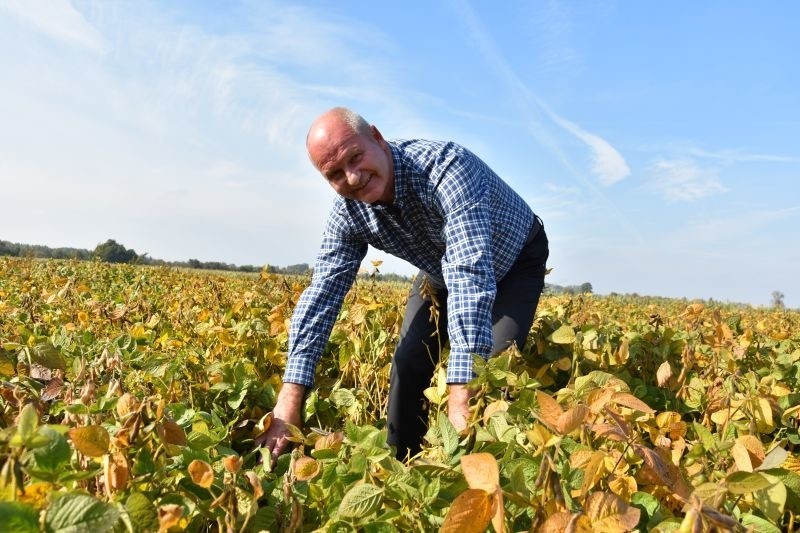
x,y
607,163
684,180
58,20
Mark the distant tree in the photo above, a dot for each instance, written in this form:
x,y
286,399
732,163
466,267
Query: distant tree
x,y
777,300
585,287
113,252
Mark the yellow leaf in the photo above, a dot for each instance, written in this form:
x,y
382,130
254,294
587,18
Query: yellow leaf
x,y
36,494
623,486
481,471
497,406
608,513
90,440
331,441
470,513
201,473
741,457
549,410
539,435
306,468
762,412
754,448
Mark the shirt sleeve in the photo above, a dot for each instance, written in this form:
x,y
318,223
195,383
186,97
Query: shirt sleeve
x,y
467,265
335,270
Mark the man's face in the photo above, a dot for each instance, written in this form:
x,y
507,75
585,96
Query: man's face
x,y
357,166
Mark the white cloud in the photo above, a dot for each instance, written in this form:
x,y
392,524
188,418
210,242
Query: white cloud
x,y
57,19
683,180
607,163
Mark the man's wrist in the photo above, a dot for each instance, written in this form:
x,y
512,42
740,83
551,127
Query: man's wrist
x,y
290,402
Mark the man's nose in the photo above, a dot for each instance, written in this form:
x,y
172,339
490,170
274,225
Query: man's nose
x,y
353,176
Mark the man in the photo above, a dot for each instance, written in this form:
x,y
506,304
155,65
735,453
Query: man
x,y
438,206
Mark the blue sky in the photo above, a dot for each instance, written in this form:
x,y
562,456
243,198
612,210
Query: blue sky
x,y
660,142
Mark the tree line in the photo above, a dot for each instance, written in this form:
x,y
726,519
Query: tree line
x,y
113,252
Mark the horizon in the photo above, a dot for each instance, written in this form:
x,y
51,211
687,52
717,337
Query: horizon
x,y
659,145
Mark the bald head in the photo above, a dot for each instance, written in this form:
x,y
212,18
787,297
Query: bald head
x,y
337,118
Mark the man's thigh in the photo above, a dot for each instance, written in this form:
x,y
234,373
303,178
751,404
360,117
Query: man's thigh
x,y
518,295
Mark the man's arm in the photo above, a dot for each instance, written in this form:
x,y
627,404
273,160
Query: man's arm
x,y
468,271
313,318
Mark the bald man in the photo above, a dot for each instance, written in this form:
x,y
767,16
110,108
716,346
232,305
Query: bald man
x,y
438,206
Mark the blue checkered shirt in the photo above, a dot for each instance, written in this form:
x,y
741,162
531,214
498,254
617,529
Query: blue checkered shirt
x,y
452,217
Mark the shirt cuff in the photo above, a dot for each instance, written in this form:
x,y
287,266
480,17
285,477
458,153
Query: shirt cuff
x,y
459,368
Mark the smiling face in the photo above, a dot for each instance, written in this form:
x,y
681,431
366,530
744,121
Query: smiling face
x,y
354,158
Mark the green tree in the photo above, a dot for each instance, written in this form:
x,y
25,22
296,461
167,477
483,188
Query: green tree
x,y
113,252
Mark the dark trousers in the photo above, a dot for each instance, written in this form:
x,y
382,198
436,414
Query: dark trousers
x,y
418,349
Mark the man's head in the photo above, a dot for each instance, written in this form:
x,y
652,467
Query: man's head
x,y
352,156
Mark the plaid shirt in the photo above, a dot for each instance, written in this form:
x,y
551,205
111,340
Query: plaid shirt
x,y
452,217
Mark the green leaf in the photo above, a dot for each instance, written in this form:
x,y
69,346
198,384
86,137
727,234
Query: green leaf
x,y
653,511
758,524
50,457
142,512
18,518
746,482
26,426
361,501
265,519
563,335
705,436
80,513
48,356
380,527
449,435
770,501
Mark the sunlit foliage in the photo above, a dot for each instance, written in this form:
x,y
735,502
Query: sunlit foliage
x,y
130,398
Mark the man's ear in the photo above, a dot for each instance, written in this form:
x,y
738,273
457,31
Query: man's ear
x,y
376,134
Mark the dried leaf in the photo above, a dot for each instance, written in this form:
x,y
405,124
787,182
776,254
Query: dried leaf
x,y
171,433
116,471
663,374
629,400
201,473
169,515
481,471
549,410
572,419
306,468
470,512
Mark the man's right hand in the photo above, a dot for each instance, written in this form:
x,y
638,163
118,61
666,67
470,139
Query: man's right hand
x,y
287,411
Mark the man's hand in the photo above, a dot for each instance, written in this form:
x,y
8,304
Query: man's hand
x,y
458,406
287,411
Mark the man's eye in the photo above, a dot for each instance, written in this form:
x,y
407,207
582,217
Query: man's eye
x,y
356,158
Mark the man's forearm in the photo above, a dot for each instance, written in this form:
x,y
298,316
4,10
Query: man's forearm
x,y
290,403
